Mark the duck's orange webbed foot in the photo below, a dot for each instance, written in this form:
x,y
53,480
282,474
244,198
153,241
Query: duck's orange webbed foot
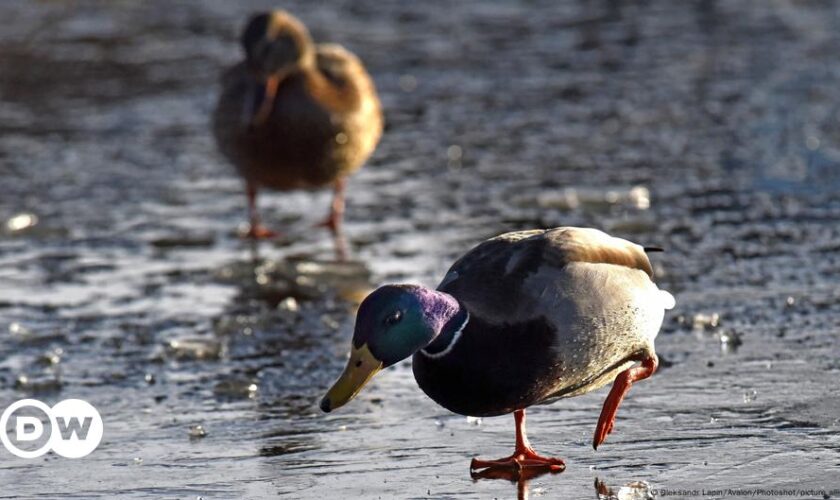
x,y
524,461
256,231
260,232
519,461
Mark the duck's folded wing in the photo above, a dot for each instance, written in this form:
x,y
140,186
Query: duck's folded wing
x,y
511,278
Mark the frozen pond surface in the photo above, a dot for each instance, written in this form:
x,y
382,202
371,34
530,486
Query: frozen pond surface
x,y
709,128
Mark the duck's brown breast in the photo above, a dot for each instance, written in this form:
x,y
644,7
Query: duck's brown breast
x,y
316,132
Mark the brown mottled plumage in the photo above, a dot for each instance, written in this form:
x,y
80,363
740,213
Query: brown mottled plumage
x,y
295,115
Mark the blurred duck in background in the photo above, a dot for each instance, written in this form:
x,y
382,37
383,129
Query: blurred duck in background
x,y
295,115
525,318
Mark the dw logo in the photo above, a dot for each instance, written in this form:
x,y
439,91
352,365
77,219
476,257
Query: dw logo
x,y
72,428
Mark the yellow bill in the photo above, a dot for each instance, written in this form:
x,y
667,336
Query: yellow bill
x,y
361,367
267,104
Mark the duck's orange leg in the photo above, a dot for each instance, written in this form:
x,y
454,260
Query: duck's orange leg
x,y
334,221
336,217
619,389
524,457
256,231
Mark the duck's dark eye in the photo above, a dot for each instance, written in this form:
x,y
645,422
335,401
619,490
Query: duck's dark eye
x,y
393,318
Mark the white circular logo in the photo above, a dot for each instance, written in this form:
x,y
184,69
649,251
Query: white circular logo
x,y
73,428
21,426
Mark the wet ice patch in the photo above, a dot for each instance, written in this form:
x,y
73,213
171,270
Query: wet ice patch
x,y
194,348
236,387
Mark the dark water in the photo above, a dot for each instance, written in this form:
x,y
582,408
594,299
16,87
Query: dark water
x,y
709,128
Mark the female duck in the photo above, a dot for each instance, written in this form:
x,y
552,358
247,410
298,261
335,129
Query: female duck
x,y
524,318
295,115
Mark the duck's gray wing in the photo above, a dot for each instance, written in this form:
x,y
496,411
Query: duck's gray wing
x,y
513,277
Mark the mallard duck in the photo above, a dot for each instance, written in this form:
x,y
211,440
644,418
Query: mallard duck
x,y
295,115
524,318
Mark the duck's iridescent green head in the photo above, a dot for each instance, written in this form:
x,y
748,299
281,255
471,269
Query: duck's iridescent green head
x,y
393,323
276,43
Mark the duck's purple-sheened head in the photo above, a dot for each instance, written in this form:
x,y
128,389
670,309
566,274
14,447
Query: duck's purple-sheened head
x,y
393,323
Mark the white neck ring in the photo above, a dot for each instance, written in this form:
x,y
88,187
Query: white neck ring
x,y
455,337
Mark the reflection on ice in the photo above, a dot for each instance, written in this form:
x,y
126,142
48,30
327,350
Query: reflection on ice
x,y
299,278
